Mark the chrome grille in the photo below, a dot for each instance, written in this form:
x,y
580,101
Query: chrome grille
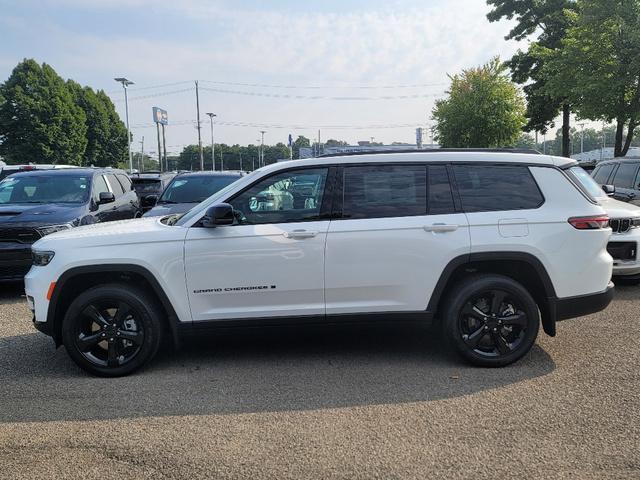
x,y
620,225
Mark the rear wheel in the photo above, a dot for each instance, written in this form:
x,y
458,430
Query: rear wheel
x,y
112,330
491,320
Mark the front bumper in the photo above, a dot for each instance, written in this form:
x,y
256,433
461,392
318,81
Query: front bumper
x,y
573,307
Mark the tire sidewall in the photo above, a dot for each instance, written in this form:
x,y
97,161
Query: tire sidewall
x,y
146,312
474,286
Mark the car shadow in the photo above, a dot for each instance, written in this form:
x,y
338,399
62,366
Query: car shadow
x,y
247,371
11,292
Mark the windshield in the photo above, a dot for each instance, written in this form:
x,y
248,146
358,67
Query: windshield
x,y
195,189
44,189
147,185
580,176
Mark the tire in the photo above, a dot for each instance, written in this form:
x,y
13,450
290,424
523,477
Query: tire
x,y
490,320
112,330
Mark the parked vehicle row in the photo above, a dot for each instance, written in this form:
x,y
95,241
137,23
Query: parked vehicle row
x,y
488,245
35,202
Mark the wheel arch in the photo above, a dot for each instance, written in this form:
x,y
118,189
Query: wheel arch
x,y
522,267
78,279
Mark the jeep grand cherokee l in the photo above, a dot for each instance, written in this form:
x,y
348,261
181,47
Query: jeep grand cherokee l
x,y
489,245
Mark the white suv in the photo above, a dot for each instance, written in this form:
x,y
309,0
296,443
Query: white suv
x,y
488,244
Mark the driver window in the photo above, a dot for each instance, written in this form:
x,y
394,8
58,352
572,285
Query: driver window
x,y
293,196
99,185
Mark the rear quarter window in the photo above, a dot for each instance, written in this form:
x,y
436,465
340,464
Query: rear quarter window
x,y
601,175
488,187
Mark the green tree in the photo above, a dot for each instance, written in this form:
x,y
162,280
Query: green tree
x,y
114,150
335,143
549,19
300,142
484,109
39,120
599,65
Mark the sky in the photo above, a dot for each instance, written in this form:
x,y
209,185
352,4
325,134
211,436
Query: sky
x,y
353,69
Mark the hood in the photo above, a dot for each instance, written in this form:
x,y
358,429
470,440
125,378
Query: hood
x,y
169,209
124,232
40,214
618,209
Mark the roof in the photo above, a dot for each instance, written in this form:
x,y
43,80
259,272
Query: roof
x,y
430,156
74,172
209,173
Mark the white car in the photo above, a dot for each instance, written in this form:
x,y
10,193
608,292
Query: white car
x,y
488,244
623,244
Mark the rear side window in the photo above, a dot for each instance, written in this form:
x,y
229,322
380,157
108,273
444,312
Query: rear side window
x,y
124,181
602,174
440,196
115,185
485,188
376,191
625,175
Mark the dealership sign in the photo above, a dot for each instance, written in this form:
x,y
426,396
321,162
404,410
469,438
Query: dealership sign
x,y
160,116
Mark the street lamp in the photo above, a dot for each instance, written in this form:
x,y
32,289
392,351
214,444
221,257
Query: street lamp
x,y
125,83
213,145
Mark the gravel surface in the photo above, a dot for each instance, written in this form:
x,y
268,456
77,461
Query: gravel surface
x,y
358,402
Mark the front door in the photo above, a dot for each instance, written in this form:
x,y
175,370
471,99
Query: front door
x,y
271,262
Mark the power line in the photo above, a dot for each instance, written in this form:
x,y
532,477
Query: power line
x,y
318,97
328,87
290,126
151,87
158,94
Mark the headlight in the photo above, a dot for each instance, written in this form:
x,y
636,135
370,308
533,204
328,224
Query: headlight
x,y
40,259
54,228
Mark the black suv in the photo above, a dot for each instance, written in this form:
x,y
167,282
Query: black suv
x,y
36,203
149,186
623,174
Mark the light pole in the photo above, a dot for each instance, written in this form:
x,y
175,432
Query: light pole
x,y
582,137
261,164
213,145
125,83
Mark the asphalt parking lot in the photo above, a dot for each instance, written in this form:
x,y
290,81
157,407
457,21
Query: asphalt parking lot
x,y
354,402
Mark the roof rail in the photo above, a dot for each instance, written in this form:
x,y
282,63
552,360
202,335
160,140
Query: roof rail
x,y
433,150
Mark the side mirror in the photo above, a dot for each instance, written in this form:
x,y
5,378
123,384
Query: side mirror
x,y
106,197
220,214
609,189
151,200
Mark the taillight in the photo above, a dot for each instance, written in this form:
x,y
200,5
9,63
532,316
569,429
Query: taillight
x,y
590,223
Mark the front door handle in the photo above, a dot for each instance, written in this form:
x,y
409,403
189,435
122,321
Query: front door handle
x,y
441,228
300,234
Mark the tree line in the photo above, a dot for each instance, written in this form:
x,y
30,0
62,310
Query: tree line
x,y
45,119
583,58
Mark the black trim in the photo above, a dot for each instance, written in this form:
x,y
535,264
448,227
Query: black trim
x,y
432,150
198,327
573,307
52,317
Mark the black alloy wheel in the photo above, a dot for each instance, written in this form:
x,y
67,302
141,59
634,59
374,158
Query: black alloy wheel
x,y
491,320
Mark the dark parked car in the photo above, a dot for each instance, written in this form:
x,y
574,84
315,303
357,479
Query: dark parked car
x,y
36,203
624,175
189,189
149,186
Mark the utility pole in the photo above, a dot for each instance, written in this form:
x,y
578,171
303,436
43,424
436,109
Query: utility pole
x,y
159,149
261,162
221,159
164,149
213,145
240,153
581,125
125,83
199,127
141,162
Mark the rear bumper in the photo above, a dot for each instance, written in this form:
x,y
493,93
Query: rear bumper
x,y
573,307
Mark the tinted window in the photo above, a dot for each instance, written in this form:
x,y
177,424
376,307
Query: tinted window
x,y
292,196
625,175
147,186
115,185
440,196
195,189
494,187
44,189
99,186
385,191
602,174
124,181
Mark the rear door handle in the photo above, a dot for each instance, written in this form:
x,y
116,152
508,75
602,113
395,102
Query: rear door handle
x,y
300,234
441,228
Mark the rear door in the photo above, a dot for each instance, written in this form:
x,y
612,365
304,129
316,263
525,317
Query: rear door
x,y
397,230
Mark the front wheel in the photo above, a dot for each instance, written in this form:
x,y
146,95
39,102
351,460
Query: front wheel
x,y
491,320
112,330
